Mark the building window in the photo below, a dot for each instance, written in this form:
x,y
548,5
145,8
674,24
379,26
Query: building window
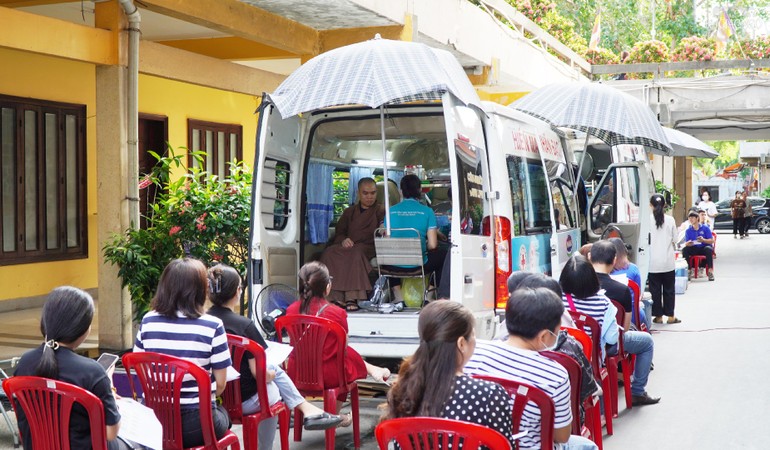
x,y
42,181
219,144
276,178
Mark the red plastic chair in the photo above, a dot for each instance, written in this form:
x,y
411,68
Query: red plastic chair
x,y
523,393
433,433
590,405
626,361
232,400
308,334
592,328
635,300
695,262
575,381
47,404
161,379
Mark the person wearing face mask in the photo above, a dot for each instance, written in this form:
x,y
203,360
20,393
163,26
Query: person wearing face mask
x,y
737,210
707,205
532,317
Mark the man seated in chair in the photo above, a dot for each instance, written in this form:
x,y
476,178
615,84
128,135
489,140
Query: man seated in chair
x,y
698,240
639,343
410,213
347,258
533,318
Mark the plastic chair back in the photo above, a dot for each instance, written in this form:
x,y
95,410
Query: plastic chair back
x,y
161,377
47,405
593,330
308,334
231,397
232,400
583,339
523,393
575,381
636,299
433,433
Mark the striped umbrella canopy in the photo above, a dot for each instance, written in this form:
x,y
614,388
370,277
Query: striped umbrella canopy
x,y
686,145
599,110
373,73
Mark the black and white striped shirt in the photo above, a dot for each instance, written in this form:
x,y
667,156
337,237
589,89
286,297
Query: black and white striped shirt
x,y
501,360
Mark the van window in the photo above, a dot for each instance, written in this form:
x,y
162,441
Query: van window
x,y
341,179
529,194
275,198
470,187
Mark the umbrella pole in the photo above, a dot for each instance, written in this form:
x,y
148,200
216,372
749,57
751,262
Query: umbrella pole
x,y
385,169
580,165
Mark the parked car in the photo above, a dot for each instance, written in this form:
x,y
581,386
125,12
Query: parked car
x,y
760,220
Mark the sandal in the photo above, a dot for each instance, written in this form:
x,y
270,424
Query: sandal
x,y
351,306
321,421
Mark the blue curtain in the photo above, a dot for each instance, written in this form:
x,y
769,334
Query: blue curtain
x,y
320,201
396,175
356,173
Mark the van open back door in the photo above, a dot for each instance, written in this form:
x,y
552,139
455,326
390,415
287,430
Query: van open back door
x,y
620,207
473,245
275,224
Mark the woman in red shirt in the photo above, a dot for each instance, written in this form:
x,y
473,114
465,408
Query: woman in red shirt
x,y
314,285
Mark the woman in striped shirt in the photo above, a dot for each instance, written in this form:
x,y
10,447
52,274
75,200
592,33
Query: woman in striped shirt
x,y
177,326
583,293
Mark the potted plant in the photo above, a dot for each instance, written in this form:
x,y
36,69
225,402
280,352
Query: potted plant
x,y
197,215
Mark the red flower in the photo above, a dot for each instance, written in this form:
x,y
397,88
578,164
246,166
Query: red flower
x,y
146,181
200,226
174,230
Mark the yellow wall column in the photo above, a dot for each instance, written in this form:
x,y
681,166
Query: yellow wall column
x,y
115,326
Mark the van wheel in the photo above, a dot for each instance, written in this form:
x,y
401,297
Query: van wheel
x,y
763,225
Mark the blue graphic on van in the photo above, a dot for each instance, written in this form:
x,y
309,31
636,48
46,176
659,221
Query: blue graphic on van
x,y
531,253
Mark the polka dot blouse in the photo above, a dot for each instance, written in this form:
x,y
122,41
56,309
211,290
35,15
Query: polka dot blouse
x,y
481,402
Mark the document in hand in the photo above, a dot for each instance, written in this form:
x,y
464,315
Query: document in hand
x,y
139,424
277,353
232,374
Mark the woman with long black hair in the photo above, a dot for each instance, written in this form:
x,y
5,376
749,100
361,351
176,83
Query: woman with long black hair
x,y
431,382
663,237
65,325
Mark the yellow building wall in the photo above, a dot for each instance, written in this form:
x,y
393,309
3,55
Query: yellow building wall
x,y
28,75
48,78
181,101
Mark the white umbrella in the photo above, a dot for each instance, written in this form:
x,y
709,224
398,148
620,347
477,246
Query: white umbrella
x,y
685,145
374,73
602,111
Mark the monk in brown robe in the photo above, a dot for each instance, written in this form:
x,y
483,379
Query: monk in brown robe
x,y
348,256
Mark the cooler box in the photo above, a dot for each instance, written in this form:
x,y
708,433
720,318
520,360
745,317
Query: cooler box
x,y
680,272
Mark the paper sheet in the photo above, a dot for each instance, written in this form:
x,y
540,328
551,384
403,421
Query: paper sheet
x,y
232,374
620,278
277,353
139,424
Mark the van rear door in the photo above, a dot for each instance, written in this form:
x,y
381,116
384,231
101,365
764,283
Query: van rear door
x,y
276,191
565,235
472,254
620,207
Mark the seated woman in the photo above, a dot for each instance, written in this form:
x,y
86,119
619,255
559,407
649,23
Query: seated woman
x,y
314,285
410,213
225,294
431,382
66,323
347,258
178,326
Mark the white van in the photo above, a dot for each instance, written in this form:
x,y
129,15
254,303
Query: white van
x,y
504,173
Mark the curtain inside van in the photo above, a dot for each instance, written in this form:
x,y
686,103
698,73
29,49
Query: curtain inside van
x,y
320,201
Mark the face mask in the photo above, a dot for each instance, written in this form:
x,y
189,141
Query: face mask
x,y
705,198
552,347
